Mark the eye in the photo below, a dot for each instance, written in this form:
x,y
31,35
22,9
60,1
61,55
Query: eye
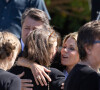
x,y
64,47
72,48
27,28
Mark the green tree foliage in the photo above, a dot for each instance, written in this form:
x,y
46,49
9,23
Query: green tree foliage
x,y
69,15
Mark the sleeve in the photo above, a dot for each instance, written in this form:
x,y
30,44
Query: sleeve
x,y
15,83
40,4
57,79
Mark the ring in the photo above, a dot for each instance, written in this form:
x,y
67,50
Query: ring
x,y
38,77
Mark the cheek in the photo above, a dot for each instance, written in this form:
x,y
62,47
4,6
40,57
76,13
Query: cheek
x,y
74,58
71,60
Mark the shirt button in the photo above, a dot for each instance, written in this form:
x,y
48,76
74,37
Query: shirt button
x,y
5,7
3,18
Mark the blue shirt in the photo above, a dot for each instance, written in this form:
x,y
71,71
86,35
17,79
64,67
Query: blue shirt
x,y
11,12
65,73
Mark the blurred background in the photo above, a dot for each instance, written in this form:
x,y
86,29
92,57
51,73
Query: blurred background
x,y
68,15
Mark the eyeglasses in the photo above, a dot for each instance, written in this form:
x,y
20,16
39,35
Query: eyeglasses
x,y
96,42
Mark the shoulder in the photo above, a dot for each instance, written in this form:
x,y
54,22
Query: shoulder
x,y
16,70
57,79
55,71
8,75
9,80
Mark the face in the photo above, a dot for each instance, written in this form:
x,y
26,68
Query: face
x,y
69,53
53,51
95,53
28,26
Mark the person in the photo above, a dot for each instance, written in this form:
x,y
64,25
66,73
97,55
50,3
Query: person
x,y
40,47
11,12
70,49
32,18
69,55
85,74
69,52
10,47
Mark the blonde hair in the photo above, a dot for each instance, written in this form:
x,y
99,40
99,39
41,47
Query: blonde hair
x,y
73,35
8,43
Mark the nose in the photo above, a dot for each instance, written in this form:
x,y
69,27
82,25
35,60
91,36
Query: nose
x,y
29,32
65,49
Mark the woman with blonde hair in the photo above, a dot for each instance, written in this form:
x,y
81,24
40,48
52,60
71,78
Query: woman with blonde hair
x,y
9,49
69,52
85,75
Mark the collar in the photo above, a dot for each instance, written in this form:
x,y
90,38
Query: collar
x,y
22,44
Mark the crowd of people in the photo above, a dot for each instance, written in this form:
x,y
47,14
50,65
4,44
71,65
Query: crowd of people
x,y
29,63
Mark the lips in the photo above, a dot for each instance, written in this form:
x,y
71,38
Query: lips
x,y
64,56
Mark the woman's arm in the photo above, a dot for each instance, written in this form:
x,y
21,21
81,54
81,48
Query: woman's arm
x,y
37,70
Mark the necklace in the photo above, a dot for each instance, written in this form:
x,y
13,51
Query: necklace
x,y
48,81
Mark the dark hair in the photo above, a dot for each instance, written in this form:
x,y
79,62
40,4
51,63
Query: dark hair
x,y
87,34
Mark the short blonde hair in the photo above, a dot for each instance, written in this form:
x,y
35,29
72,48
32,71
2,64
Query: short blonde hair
x,y
73,35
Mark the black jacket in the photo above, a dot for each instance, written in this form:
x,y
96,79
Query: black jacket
x,y
57,78
82,77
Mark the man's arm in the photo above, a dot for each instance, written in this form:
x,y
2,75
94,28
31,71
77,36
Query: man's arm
x,y
40,4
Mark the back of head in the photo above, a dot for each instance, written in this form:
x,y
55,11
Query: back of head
x,y
87,34
8,43
38,46
35,14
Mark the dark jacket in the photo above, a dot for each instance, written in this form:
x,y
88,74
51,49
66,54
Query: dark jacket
x,y
9,81
57,78
11,12
82,77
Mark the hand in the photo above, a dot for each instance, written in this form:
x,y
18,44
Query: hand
x,y
26,84
36,69
40,71
62,86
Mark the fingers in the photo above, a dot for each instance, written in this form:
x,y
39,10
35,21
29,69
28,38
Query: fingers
x,y
21,75
46,75
24,88
40,80
26,84
39,70
62,86
43,80
47,70
34,74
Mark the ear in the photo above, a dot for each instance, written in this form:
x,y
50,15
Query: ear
x,y
88,49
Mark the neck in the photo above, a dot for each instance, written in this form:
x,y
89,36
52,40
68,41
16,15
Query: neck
x,y
69,68
90,64
3,66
